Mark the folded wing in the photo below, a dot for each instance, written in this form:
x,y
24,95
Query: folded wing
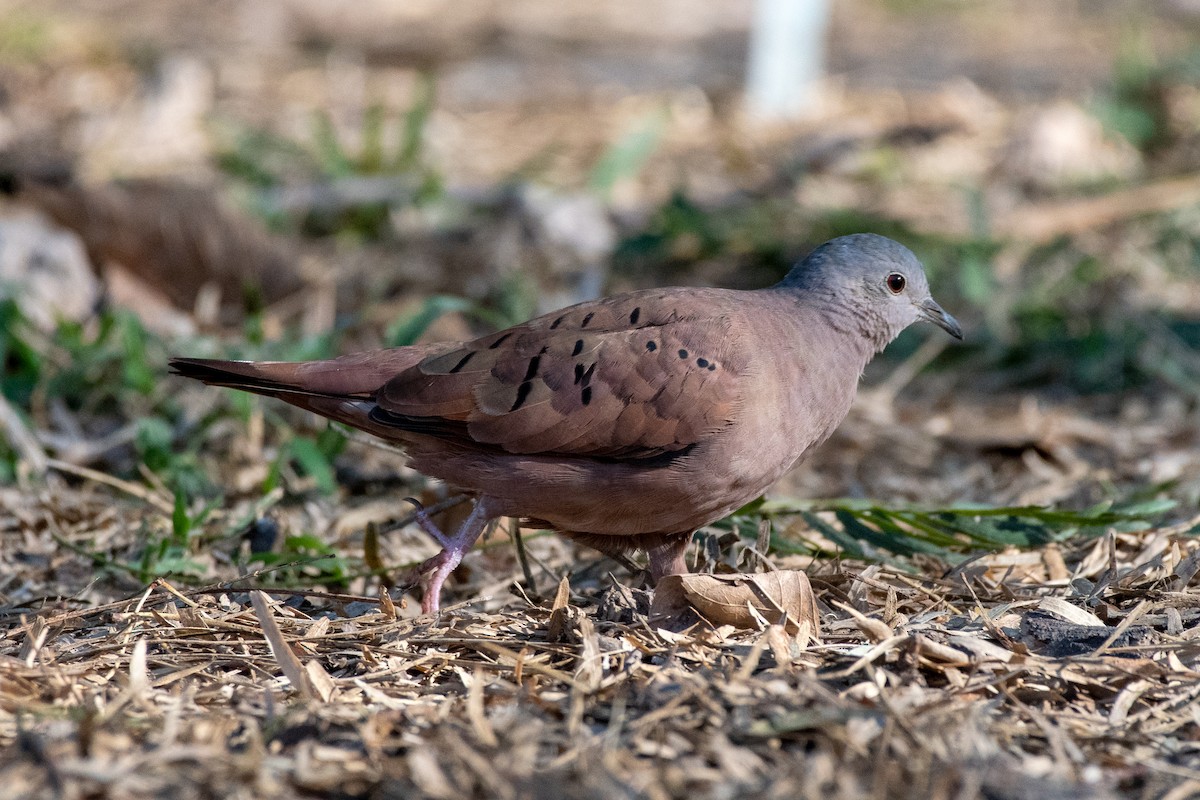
x,y
632,377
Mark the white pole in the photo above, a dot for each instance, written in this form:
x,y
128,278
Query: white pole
x,y
787,53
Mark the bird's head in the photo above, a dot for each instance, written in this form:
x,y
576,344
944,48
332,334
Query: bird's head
x,y
876,283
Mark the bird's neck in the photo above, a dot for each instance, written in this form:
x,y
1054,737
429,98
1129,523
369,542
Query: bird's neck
x,y
816,336
817,356
858,332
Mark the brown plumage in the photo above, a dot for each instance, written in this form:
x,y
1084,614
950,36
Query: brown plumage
x,y
625,422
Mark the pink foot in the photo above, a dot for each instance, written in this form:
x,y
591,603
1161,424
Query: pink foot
x,y
438,568
453,549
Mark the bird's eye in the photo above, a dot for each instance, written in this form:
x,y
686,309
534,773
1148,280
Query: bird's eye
x,y
895,283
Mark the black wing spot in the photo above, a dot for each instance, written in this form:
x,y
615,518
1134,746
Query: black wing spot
x,y
586,395
462,362
587,319
702,362
531,373
522,395
578,347
712,367
683,353
651,346
499,341
633,315
557,322
582,375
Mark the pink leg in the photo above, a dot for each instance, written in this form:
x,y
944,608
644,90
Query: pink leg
x,y
667,559
453,549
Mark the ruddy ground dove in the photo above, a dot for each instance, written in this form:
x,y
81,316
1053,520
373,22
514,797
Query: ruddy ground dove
x,y
627,422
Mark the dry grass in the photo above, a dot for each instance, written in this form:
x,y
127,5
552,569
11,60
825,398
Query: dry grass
x,y
1061,673
1065,672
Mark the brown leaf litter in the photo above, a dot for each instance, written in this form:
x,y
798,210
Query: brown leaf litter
x,y
782,597
1068,673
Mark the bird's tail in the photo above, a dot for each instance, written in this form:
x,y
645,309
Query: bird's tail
x,y
342,389
358,375
269,378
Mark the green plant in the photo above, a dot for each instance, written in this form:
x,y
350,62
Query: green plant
x,y
407,329
313,455
303,560
267,162
866,530
627,155
171,556
1134,107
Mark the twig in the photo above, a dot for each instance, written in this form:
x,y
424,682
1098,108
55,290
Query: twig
x,y
279,647
1045,221
140,492
74,450
21,439
1123,626
514,531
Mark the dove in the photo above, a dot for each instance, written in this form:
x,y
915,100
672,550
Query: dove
x,y
626,422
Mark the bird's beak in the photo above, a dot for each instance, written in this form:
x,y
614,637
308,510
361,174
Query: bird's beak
x,y
931,311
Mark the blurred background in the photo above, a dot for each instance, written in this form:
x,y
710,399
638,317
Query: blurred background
x,y
296,179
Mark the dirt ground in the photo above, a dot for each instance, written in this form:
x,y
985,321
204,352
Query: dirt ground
x,y
981,134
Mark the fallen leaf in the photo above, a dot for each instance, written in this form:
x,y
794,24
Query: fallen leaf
x,y
739,600
320,680
559,612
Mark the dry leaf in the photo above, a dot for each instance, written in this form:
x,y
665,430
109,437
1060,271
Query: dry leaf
x,y
319,680
738,599
1070,612
280,648
875,629
559,611
386,606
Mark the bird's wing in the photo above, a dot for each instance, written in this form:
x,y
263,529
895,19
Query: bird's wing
x,y
636,376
